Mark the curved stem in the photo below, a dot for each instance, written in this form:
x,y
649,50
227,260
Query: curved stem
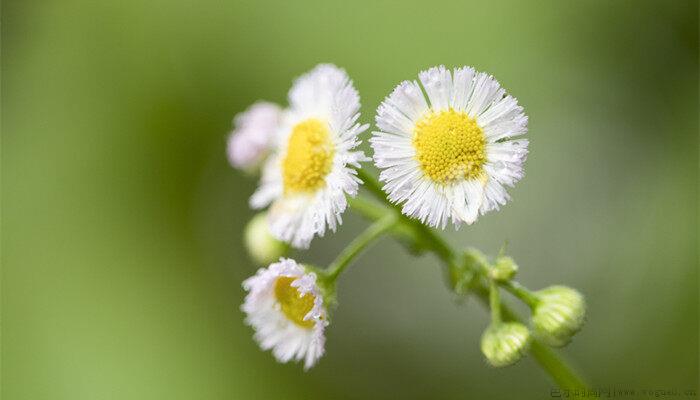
x,y
555,366
360,243
371,184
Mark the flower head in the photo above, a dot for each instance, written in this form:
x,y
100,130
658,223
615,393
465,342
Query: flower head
x,y
253,134
262,247
448,157
505,343
504,269
285,307
307,179
560,313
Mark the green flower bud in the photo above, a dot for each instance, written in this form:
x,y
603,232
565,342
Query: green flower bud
x,y
504,269
262,247
558,315
505,343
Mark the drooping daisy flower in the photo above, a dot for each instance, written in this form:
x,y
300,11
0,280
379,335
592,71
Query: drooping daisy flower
x,y
253,133
448,157
285,307
307,179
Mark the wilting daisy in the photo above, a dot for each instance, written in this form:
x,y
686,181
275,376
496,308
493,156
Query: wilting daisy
x,y
448,157
285,307
253,133
307,179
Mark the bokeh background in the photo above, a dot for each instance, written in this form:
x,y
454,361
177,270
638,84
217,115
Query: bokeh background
x,y
121,220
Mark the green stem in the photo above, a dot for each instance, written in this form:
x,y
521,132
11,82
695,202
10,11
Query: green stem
x,y
372,211
515,288
521,292
562,374
360,243
494,303
371,184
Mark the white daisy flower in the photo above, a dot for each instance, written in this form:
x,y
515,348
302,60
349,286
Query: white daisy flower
x,y
449,156
285,307
253,134
307,179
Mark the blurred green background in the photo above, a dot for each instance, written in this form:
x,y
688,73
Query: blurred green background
x,y
121,220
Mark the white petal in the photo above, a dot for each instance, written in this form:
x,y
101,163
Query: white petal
x,y
463,86
437,82
486,91
467,201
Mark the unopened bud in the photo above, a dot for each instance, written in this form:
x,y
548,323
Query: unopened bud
x,y
262,247
505,343
504,269
559,314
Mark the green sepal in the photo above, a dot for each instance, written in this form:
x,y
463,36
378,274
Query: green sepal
x,y
327,286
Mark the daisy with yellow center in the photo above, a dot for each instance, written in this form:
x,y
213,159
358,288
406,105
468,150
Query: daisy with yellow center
x,y
285,307
307,179
448,155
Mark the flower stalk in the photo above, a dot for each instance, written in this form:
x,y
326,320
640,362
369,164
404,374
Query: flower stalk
x,y
359,244
495,303
521,292
555,366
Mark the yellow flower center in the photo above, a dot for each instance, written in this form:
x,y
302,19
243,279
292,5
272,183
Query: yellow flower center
x,y
309,157
293,305
449,146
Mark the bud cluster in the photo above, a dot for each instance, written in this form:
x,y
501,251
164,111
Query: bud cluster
x,y
558,313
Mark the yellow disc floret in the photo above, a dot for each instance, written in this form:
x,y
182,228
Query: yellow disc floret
x,y
293,305
309,157
450,146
